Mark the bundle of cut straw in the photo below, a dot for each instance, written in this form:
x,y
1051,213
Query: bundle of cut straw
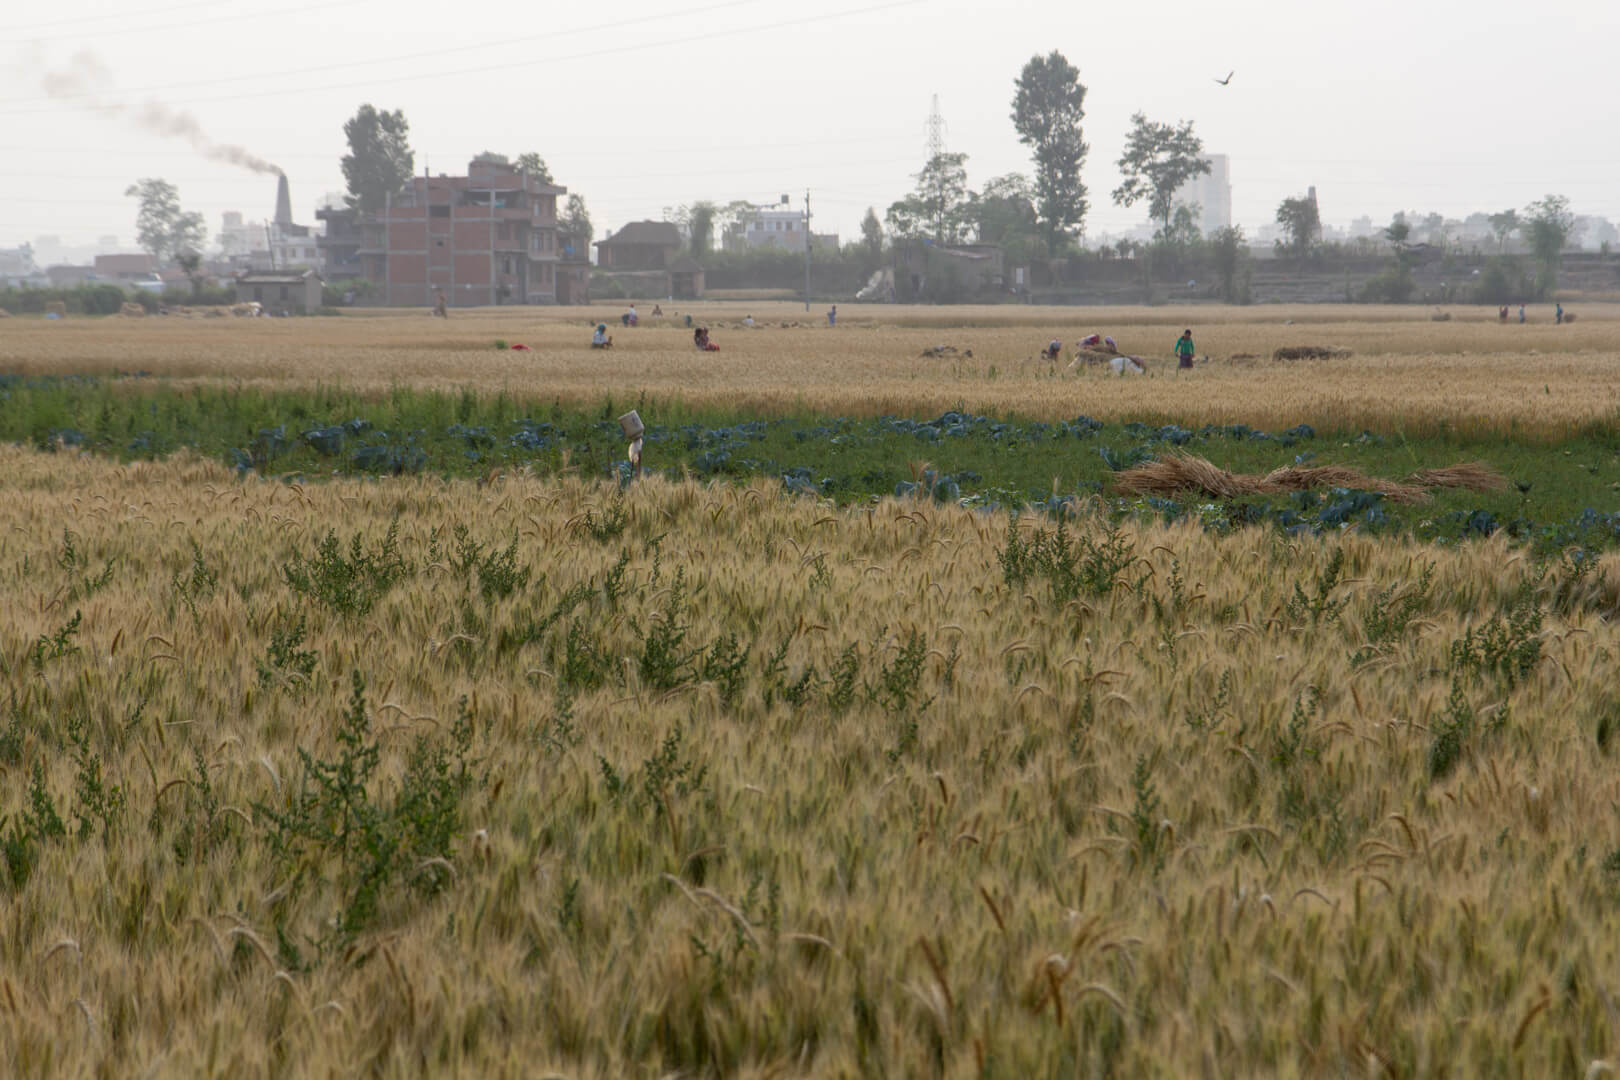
x,y
1468,476
1180,472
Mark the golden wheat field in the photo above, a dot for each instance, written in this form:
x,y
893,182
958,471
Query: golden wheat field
x,y
1406,372
712,781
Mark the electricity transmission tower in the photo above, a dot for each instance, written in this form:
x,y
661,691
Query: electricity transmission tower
x,y
936,131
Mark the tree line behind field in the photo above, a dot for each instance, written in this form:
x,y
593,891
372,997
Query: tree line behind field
x,y
1037,219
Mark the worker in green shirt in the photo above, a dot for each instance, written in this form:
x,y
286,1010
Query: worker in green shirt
x,y
1184,349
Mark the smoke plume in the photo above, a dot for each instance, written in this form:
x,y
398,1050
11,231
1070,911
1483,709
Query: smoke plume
x,y
87,84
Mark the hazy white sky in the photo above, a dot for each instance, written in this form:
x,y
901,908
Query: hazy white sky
x,y
1449,105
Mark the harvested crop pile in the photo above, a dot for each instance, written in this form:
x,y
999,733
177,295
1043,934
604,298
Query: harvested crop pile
x,y
132,311
1337,476
1470,475
1185,472
1310,352
1095,356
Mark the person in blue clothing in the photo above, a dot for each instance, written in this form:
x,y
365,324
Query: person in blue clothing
x,y
832,315
1558,314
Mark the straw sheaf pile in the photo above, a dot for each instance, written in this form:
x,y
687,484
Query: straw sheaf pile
x,y
1185,472
1311,352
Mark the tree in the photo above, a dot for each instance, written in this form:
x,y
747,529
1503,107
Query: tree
x,y
679,215
1005,214
872,232
1397,286
1047,109
1158,159
1184,233
906,218
1228,248
943,195
535,166
163,229
576,222
380,160
1396,234
1547,225
701,226
1301,223
1504,225
190,261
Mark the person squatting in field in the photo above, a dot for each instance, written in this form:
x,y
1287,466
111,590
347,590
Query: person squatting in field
x,y
600,338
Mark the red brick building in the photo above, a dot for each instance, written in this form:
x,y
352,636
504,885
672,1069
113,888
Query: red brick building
x,y
489,237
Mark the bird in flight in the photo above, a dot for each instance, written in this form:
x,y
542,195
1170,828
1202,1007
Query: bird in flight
x,y
1228,78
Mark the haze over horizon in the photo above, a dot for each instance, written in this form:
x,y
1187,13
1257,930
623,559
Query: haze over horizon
x,y
1382,106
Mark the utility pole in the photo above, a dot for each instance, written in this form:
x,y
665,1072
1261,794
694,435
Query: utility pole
x,y
807,250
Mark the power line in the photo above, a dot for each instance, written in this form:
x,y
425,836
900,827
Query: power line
x,y
191,23
402,57
485,69
130,14
641,152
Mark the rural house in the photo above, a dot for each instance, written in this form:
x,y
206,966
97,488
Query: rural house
x,y
281,292
640,245
967,269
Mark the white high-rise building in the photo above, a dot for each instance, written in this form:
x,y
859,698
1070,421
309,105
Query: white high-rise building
x,y
1212,191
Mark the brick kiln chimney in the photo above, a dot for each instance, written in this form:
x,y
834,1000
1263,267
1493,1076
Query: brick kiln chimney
x,y
283,201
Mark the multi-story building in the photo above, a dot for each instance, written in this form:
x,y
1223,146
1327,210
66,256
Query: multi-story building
x,y
489,237
340,243
776,227
1212,192
17,267
772,225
